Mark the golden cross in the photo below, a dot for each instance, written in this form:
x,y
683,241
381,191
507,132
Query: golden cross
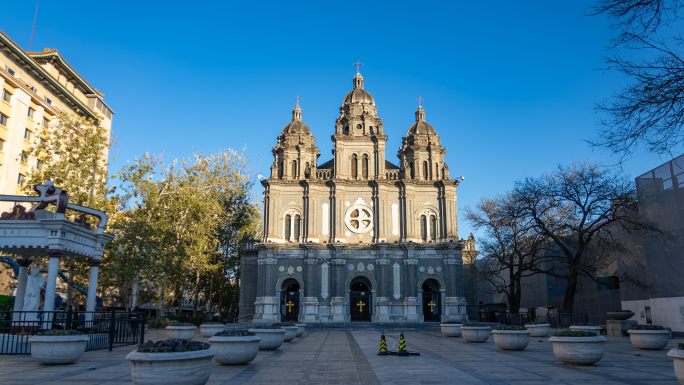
x,y
432,306
289,305
361,305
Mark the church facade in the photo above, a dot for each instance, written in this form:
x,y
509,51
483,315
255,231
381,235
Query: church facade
x,y
357,238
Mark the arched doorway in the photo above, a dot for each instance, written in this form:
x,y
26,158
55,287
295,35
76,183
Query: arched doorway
x,y
289,300
360,299
431,301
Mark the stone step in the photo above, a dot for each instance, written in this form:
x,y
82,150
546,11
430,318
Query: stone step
x,y
340,326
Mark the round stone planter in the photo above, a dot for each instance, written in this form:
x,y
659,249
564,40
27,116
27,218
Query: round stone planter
x,y
178,368
540,330
271,339
210,330
578,350
57,350
235,350
290,332
180,332
649,339
475,333
678,356
620,315
301,328
451,330
596,329
511,339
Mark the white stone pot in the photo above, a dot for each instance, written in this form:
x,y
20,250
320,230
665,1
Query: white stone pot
x,y
649,339
476,333
290,332
511,339
301,328
620,315
177,368
451,330
576,328
540,330
235,350
271,339
180,332
210,330
578,350
57,350
678,356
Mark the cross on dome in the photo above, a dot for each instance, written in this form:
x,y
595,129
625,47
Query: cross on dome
x,y
358,65
297,99
419,100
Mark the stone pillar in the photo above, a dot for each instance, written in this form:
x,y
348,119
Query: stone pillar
x,y
23,263
311,285
450,215
312,217
411,234
383,303
454,303
383,219
267,305
50,286
338,302
92,287
338,221
411,301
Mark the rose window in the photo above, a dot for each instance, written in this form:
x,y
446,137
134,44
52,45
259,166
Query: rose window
x,y
359,219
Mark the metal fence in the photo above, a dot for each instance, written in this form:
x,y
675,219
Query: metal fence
x,y
105,330
557,320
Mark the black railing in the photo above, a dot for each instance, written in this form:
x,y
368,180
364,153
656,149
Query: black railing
x,y
557,320
564,320
105,330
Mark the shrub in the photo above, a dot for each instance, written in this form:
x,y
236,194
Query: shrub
x,y
59,332
212,323
647,327
475,324
288,323
537,323
580,333
234,333
680,346
171,346
6,303
622,311
510,327
181,324
452,322
583,324
267,327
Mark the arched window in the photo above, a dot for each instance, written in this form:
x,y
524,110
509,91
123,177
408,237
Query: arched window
x,y
354,167
288,219
423,228
280,170
307,171
433,227
297,222
411,170
364,166
436,170
425,171
294,168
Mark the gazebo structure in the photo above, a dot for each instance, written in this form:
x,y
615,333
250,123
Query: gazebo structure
x,y
39,232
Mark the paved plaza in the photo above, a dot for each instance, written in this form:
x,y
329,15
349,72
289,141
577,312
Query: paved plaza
x,y
350,357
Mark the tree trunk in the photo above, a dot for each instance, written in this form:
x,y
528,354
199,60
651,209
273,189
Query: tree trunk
x,y
569,300
196,295
160,308
136,286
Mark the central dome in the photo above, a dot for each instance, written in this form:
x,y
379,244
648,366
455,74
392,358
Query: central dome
x,y
359,95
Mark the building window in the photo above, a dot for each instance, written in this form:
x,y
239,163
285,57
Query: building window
x,y
27,134
294,168
354,166
48,101
6,96
2,145
433,227
288,218
297,223
423,228
20,179
3,120
436,170
364,166
31,112
11,71
23,157
38,164
46,122
425,171
411,173
280,170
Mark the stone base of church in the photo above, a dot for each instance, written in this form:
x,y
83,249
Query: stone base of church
x,y
455,309
383,310
412,310
266,310
339,309
310,308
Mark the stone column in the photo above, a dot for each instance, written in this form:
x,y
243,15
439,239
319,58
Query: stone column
x,y
454,303
338,221
450,215
312,216
383,303
411,235
311,285
23,263
338,302
92,287
50,286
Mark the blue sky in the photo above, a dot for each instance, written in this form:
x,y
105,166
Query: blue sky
x,y
509,86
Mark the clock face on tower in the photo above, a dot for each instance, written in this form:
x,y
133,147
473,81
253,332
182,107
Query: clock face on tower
x,y
359,219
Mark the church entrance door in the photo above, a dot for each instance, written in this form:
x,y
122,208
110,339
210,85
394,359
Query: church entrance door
x,y
431,301
360,302
289,301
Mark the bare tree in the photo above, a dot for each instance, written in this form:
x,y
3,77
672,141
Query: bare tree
x,y
509,246
581,212
647,49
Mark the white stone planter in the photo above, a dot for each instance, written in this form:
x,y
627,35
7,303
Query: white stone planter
x,y
290,332
620,315
57,350
271,339
678,356
301,328
541,330
578,350
649,339
596,329
180,332
186,368
451,330
475,333
210,330
511,339
235,350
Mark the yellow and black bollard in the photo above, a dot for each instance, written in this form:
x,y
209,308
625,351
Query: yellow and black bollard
x,y
402,346
383,346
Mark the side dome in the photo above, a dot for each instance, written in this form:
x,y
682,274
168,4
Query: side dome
x,y
421,128
296,127
359,95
